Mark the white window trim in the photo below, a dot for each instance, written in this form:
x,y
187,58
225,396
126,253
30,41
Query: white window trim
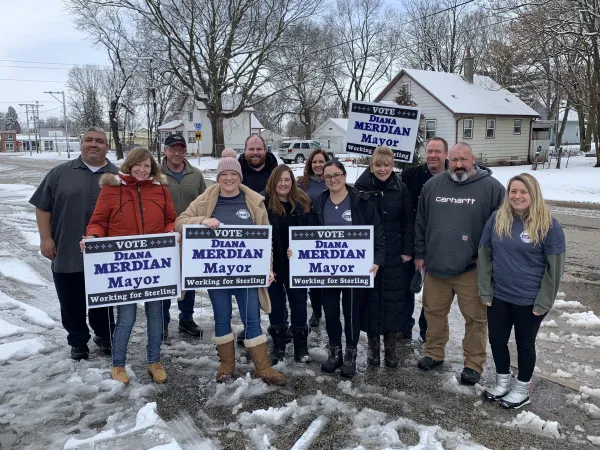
x,y
434,128
472,128
486,127
520,127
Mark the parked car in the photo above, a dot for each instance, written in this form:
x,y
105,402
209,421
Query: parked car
x,y
297,150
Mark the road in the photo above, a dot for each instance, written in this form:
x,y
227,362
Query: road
x,y
379,408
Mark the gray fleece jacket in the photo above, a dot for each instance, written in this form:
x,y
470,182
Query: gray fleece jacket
x,y
450,219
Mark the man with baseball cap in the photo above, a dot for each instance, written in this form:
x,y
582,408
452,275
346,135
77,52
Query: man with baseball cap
x,y
185,184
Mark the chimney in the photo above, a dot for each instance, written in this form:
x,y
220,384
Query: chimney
x,y
468,67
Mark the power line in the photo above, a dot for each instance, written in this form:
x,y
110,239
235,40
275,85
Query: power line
x,y
35,81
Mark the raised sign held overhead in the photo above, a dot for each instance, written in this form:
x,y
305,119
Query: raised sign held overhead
x,y
374,124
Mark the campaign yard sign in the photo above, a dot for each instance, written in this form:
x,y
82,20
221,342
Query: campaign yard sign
x,y
131,269
326,257
374,124
232,256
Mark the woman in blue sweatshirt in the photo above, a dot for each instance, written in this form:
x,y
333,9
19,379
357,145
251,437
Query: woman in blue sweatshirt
x,y
521,261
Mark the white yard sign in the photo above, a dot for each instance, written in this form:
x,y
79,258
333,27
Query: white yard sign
x,y
328,257
229,257
374,124
131,269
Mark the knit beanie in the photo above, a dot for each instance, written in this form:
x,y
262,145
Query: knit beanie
x,y
228,153
229,163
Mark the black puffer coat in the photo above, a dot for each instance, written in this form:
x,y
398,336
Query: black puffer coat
x,y
389,310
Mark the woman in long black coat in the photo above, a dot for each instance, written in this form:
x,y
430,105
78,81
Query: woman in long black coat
x,y
388,312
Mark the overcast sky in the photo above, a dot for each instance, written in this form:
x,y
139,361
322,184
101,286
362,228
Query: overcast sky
x,y
38,36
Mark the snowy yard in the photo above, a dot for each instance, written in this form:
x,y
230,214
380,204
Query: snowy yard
x,y
576,183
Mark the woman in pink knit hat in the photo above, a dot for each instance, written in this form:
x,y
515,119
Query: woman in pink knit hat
x,y
230,202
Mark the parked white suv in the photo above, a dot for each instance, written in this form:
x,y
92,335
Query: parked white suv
x,y
296,150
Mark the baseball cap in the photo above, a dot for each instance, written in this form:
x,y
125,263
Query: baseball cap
x,y
173,139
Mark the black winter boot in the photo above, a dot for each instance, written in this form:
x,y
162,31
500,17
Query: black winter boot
x,y
278,333
335,359
301,345
389,343
373,348
349,367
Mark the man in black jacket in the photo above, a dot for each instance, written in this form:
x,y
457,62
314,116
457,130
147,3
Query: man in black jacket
x,y
436,155
257,164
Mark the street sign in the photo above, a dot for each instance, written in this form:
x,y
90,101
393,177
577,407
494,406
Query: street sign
x,y
198,135
198,126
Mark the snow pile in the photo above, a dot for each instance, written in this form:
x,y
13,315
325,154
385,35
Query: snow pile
x,y
241,388
8,329
451,384
29,313
148,426
549,324
21,349
21,271
562,304
587,392
562,374
582,320
530,422
594,440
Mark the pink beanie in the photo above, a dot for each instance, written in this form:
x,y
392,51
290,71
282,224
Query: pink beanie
x,y
228,153
228,162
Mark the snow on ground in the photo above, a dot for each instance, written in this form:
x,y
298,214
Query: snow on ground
x,y
79,406
575,182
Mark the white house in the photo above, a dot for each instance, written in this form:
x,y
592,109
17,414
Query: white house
x,y
331,134
571,134
236,130
473,109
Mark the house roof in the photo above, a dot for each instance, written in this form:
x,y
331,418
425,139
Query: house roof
x,y
254,122
170,125
342,123
483,97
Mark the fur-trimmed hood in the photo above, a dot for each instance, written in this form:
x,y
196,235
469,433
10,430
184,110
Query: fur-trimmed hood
x,y
110,179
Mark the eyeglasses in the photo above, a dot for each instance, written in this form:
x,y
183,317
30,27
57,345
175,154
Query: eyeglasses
x,y
335,176
177,150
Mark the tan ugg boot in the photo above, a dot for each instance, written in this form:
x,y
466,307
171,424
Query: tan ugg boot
x,y
262,365
156,371
118,373
226,350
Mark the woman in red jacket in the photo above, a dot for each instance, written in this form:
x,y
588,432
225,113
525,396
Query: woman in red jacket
x,y
136,201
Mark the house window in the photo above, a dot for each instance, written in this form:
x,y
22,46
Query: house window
x,y
48,146
10,147
468,128
405,85
517,126
430,126
163,136
191,116
490,129
191,137
328,143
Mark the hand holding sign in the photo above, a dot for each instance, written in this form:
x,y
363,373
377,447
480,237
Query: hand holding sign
x,y
211,223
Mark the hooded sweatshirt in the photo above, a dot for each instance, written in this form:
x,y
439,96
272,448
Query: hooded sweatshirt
x,y
450,220
257,179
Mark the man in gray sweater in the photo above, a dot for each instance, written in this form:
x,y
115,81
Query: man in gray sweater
x,y
453,210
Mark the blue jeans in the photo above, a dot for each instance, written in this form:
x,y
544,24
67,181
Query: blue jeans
x,y
126,315
297,300
247,300
186,307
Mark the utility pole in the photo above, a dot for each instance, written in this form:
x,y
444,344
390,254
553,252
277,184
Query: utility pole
x,y
27,105
35,126
64,104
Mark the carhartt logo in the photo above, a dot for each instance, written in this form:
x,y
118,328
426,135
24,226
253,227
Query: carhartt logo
x,y
468,201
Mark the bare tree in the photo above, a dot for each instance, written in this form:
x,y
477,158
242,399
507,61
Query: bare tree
x,y
299,73
218,48
365,48
110,28
85,85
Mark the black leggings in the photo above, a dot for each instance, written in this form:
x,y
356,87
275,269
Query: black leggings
x,y
351,307
502,316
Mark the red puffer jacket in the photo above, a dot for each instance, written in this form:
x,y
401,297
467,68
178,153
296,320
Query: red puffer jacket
x,y
127,207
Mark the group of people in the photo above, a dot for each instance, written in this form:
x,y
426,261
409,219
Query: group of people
x,y
502,254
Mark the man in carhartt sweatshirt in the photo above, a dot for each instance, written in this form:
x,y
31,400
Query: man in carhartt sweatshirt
x,y
452,212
